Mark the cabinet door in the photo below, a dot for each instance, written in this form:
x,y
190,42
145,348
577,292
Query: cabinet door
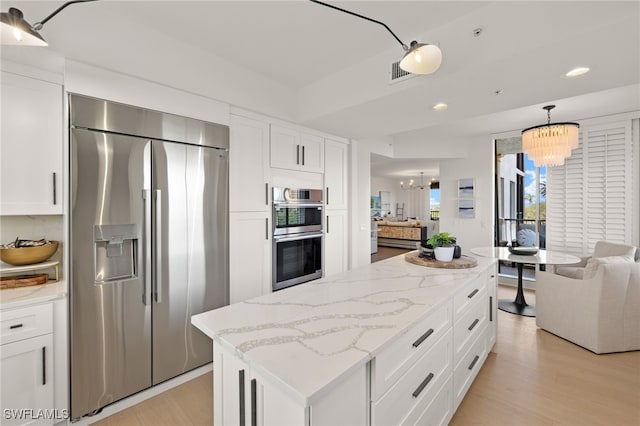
x,y
492,287
312,153
335,177
31,146
27,379
286,152
269,406
249,255
248,165
335,242
231,391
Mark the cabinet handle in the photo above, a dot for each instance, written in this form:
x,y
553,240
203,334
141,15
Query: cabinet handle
x,y
473,363
474,323
327,195
303,155
423,338
11,327
44,365
424,384
241,392
266,193
254,403
327,224
491,308
266,228
297,154
473,293
54,189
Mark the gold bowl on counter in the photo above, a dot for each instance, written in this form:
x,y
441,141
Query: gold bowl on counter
x,y
19,256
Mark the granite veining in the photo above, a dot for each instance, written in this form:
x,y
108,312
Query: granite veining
x,y
306,337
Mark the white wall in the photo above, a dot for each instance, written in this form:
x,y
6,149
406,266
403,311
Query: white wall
x,y
478,165
360,203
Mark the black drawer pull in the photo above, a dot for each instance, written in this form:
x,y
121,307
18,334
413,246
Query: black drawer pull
x,y
473,363
254,403
474,323
490,308
241,420
473,293
11,327
424,384
44,365
423,338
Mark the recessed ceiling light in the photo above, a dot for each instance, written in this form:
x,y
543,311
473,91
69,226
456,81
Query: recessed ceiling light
x,y
440,106
577,71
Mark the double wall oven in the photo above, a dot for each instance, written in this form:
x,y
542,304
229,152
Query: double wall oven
x,y
297,236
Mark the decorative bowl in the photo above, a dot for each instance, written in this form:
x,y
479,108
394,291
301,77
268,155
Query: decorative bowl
x,y
28,255
523,251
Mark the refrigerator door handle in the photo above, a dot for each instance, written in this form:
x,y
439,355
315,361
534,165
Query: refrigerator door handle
x,y
158,252
146,295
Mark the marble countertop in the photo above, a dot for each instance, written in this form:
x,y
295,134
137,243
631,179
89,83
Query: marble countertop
x,y
307,337
31,295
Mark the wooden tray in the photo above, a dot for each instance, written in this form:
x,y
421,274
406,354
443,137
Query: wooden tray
x,y
14,281
460,263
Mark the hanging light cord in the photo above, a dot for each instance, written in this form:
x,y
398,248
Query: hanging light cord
x,y
404,46
38,25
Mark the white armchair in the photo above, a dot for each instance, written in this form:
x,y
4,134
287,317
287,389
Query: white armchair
x,y
600,311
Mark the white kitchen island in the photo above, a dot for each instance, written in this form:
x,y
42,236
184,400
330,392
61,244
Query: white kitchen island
x,y
388,343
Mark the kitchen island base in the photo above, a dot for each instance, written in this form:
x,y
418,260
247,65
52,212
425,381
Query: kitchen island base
x,y
391,343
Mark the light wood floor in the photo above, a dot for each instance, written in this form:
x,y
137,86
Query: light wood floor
x,y
530,378
387,252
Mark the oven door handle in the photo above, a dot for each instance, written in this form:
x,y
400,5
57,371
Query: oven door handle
x,y
296,205
298,237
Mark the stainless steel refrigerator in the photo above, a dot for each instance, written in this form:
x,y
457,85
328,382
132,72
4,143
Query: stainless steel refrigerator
x,y
148,243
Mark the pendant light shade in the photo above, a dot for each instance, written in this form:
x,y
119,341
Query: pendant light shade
x,y
421,58
549,144
17,31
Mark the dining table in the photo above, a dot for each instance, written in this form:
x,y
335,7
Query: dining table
x,y
519,306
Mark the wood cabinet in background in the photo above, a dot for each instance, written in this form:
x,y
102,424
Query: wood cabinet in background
x,y
31,146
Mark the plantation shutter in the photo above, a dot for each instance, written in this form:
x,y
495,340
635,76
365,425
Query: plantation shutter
x,y
590,198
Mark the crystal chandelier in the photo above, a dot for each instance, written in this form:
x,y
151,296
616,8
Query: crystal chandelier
x,y
549,144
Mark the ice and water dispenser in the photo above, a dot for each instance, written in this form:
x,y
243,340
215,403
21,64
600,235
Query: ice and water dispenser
x,y
116,252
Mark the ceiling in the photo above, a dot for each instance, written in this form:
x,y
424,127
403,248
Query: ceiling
x,y
337,64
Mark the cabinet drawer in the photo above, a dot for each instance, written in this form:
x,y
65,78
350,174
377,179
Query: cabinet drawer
x,y
467,328
438,412
469,294
468,368
417,387
393,362
23,323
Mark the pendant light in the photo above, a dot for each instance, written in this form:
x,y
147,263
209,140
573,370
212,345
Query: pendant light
x,y
419,58
15,30
411,186
549,144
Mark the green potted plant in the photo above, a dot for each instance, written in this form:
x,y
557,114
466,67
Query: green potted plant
x,y
443,245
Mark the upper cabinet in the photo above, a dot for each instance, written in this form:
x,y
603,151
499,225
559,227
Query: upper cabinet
x,y
335,176
31,147
249,165
294,150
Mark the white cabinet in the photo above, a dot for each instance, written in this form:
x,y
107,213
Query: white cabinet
x,y
335,243
248,165
243,396
26,364
249,255
294,150
335,175
31,146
